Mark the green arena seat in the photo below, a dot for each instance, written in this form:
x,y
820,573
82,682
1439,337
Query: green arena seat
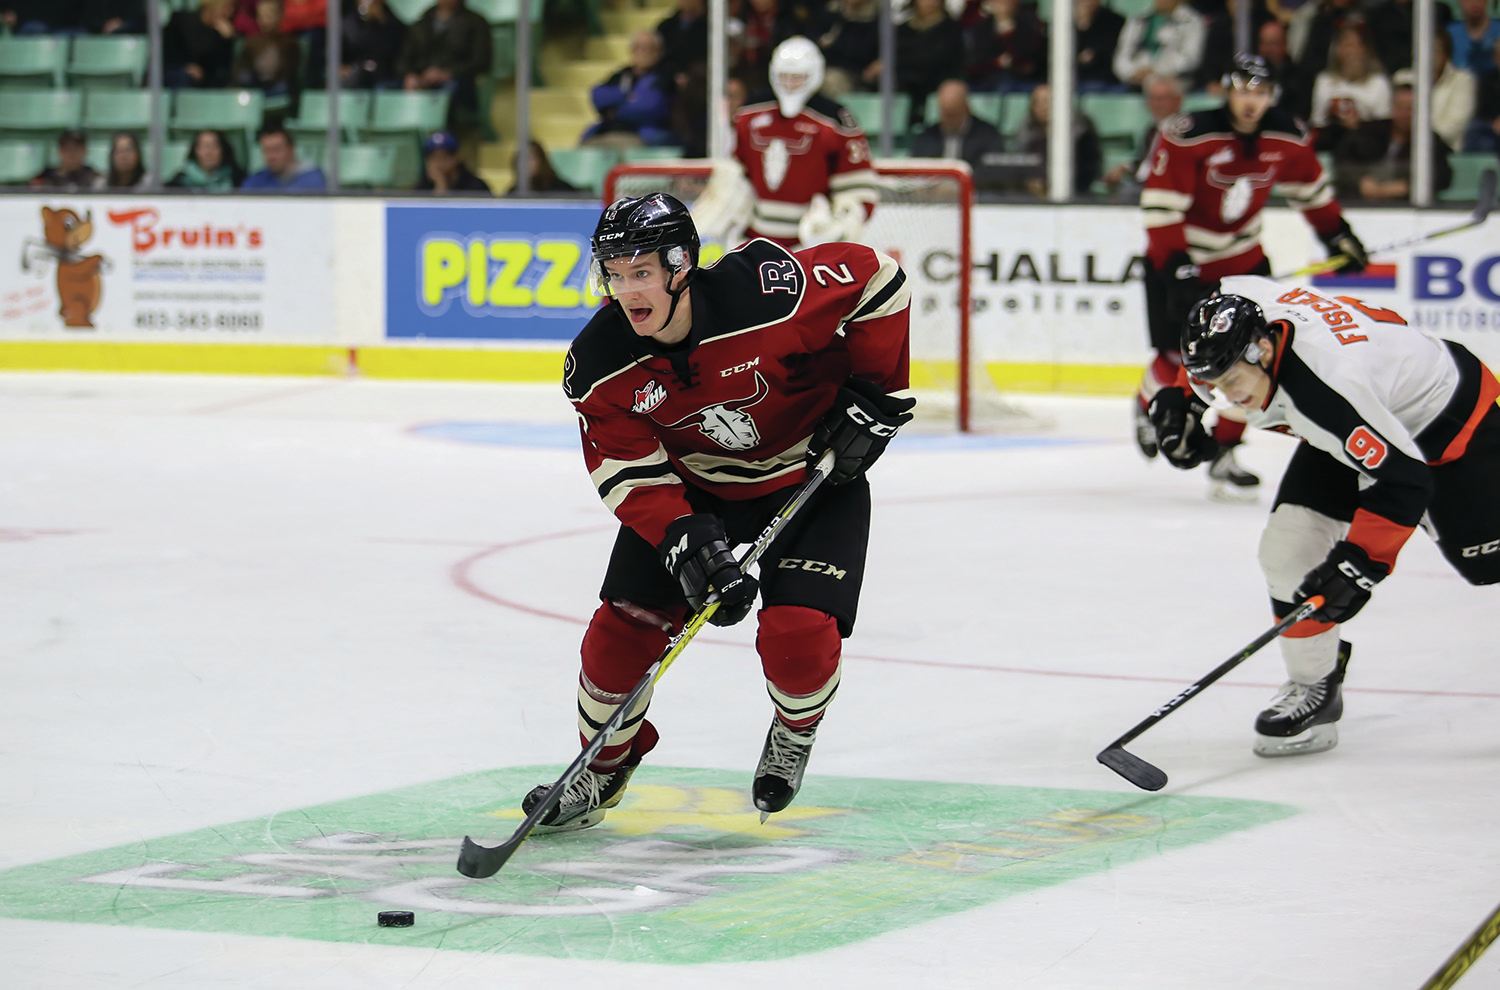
x,y
109,60
25,112
118,110
20,161
312,115
34,60
584,167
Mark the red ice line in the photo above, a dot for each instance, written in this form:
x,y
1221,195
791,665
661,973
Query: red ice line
x,y
461,573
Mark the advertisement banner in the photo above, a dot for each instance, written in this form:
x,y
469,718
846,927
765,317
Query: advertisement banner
x,y
225,269
477,272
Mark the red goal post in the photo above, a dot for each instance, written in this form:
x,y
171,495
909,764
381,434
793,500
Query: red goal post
x,y
923,221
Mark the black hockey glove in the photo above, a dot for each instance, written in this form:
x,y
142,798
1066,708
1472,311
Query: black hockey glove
x,y
1342,241
698,554
1177,417
1184,287
858,427
1344,579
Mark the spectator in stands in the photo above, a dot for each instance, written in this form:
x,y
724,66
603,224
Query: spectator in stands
x,y
210,166
544,178
851,47
1474,36
766,24
447,48
1007,48
127,169
684,37
958,133
689,120
1372,159
634,104
112,16
443,171
271,61
305,20
283,172
926,53
35,16
1390,23
1352,88
1088,156
1454,93
199,46
1163,99
371,45
1314,30
1484,132
1271,45
1168,42
1096,36
71,171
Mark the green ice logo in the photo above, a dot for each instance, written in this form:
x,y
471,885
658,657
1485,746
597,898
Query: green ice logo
x,y
681,872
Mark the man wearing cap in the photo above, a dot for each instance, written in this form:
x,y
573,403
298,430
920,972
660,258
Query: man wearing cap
x,y
443,172
71,171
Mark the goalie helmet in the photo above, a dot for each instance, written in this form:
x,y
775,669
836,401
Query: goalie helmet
x,y
658,223
796,74
1221,331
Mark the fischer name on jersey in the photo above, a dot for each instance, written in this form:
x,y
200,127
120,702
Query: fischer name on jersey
x,y
789,160
731,410
1356,382
1206,186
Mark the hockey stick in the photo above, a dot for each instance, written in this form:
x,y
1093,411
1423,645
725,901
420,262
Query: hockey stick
x,y
1482,207
1456,965
479,861
1150,778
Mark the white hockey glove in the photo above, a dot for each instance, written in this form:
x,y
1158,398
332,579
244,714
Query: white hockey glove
x,y
723,208
824,223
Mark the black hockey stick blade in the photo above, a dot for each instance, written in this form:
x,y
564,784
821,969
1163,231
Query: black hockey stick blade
x,y
1485,202
1133,768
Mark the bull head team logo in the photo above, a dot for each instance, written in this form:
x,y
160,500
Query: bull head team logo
x,y
79,280
726,423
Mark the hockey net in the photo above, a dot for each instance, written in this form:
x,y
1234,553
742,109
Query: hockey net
x,y
922,221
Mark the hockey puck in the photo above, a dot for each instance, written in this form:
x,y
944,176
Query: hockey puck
x,y
396,919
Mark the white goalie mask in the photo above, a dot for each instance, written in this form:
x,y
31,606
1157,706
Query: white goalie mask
x,y
796,74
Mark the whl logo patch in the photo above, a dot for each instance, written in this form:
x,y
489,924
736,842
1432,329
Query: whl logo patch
x,y
648,397
681,872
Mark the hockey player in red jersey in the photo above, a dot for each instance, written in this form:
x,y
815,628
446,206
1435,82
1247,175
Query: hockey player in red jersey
x,y
1397,429
1210,174
802,173
702,395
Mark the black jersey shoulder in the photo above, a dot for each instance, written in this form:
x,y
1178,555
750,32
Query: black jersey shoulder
x,y
753,286
1283,123
601,349
835,111
1197,125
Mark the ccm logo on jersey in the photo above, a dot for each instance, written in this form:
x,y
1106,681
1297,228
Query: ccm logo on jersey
x,y
1366,448
813,566
648,397
1482,549
739,368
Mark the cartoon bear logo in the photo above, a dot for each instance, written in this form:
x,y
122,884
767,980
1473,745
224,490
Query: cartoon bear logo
x,y
79,277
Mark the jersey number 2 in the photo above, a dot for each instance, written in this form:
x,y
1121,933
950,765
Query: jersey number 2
x,y
1365,447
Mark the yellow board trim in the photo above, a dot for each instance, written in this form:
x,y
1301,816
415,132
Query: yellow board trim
x,y
483,364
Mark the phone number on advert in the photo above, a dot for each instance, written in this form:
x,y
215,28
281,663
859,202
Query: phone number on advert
x,y
185,319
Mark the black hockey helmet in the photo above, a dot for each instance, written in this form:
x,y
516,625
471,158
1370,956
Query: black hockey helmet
x,y
1221,331
1250,71
634,226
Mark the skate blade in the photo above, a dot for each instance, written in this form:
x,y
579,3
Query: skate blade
x,y
1318,739
764,817
1228,494
582,821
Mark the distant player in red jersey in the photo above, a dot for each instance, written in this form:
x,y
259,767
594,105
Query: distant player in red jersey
x,y
802,173
702,395
1210,174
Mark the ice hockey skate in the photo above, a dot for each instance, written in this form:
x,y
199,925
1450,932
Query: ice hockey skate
x,y
1303,718
782,763
585,801
1228,481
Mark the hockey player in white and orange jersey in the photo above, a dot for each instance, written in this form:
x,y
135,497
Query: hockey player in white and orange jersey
x,y
1398,429
802,173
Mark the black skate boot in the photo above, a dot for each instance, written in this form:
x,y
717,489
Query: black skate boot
x,y
1228,481
1145,433
782,763
1303,718
584,802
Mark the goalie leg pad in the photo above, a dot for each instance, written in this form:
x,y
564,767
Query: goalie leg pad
x,y
1297,539
621,642
800,653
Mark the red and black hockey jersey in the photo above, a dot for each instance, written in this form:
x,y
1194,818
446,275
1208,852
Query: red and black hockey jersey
x,y
731,409
1206,186
789,160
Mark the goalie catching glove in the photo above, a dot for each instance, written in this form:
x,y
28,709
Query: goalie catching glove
x,y
697,553
858,427
1177,418
1344,579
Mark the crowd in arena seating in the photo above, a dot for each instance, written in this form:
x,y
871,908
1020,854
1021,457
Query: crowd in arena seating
x,y
970,73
